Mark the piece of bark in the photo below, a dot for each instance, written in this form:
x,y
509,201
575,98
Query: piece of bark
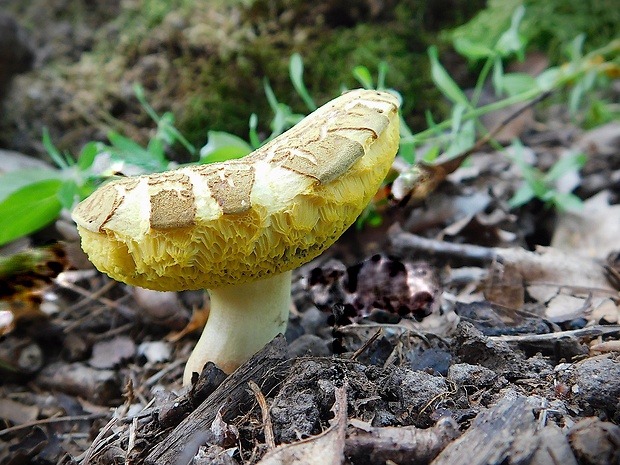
x,y
553,448
323,449
233,396
504,434
402,445
547,266
595,442
171,413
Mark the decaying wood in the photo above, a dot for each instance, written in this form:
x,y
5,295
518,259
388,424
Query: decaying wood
x,y
232,397
548,341
507,433
367,445
171,414
547,265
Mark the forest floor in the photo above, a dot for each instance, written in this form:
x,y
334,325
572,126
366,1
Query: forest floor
x,y
516,362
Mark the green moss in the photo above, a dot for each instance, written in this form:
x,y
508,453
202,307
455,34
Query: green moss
x,y
550,25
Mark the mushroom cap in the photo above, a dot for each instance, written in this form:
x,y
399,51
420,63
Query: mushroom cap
x,y
214,225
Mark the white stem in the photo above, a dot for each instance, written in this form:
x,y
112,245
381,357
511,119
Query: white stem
x,y
243,318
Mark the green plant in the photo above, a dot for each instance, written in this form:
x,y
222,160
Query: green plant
x,y
30,199
544,186
455,137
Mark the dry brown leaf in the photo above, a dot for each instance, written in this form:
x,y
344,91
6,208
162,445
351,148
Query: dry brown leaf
x,y
196,323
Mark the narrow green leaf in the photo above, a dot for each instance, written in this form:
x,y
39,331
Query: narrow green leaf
x,y
407,152
222,146
566,201
87,155
296,73
431,154
498,76
52,151
471,50
548,79
138,91
523,195
29,209
363,76
511,41
572,162
253,124
575,48
381,74
271,97
443,81
133,153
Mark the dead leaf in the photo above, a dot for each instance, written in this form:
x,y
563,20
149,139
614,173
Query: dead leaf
x,y
594,231
16,412
196,323
111,353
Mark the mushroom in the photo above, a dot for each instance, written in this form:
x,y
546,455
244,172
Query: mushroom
x,y
239,227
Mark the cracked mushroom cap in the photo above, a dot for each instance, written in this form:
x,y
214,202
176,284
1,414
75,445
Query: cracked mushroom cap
x,y
209,226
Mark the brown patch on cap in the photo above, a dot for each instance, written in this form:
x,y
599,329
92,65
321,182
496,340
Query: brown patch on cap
x,y
170,177
231,185
324,159
171,208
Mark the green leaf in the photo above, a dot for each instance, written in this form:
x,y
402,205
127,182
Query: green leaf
x,y
29,209
573,162
498,75
68,194
253,124
222,146
363,76
575,48
407,151
16,180
457,114
463,140
566,201
511,41
548,78
156,149
443,81
133,153
62,161
431,154
472,50
296,73
87,155
271,97
517,83
381,73
523,195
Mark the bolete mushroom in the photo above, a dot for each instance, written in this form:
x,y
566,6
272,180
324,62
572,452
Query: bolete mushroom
x,y
239,227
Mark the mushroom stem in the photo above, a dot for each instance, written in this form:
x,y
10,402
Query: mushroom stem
x,y
243,318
